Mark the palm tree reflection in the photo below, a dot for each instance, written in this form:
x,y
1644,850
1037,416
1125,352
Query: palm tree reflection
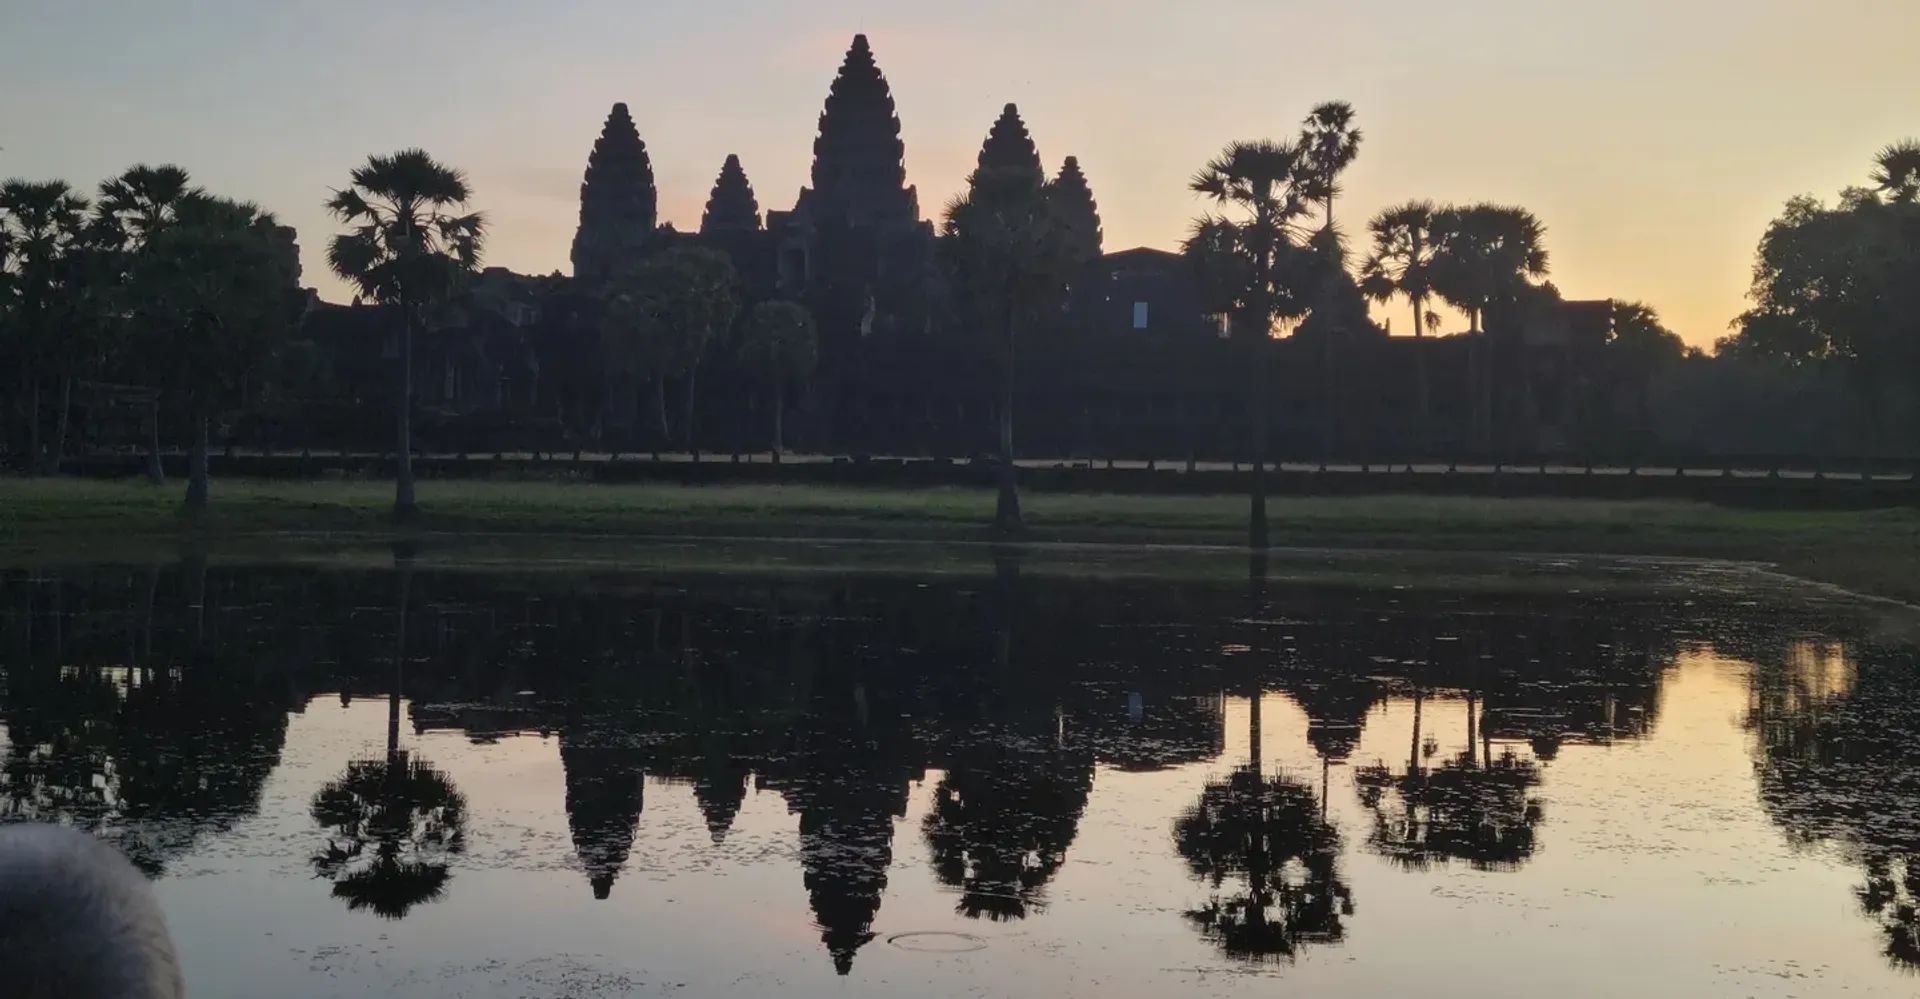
x,y
393,823
1473,807
1268,833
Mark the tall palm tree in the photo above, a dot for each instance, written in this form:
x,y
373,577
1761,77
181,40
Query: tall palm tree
x,y
1330,143
1897,171
1252,258
1014,257
1402,264
1485,257
133,207
411,246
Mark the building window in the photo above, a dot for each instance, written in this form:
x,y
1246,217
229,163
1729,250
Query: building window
x,y
1139,315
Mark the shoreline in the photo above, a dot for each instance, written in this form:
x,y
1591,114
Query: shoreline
x,y
1875,553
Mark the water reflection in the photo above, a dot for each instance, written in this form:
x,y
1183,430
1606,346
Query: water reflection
x,y
959,729
1839,763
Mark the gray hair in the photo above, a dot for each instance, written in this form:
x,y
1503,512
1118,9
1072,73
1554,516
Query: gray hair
x,y
77,921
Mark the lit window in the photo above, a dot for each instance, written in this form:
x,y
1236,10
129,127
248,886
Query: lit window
x,y
1139,315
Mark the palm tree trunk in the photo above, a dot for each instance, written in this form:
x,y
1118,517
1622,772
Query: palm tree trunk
x,y
1423,390
56,453
197,488
660,413
404,570
156,474
1257,506
686,415
1328,418
33,425
404,504
1006,514
779,417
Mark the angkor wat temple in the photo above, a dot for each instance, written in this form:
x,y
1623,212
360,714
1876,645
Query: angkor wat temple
x,y
1135,368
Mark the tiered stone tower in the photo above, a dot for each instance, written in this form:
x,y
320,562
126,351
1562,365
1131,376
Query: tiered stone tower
x,y
619,206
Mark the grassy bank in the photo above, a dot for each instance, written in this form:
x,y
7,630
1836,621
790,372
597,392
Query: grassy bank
x,y
1875,552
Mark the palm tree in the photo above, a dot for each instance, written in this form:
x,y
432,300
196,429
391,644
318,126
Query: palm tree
x,y
144,199
660,319
44,224
1253,261
1485,257
210,292
134,206
780,347
1897,171
1014,256
1329,143
1402,264
409,249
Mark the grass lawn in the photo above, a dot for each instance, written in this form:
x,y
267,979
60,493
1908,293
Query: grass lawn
x,y
1875,552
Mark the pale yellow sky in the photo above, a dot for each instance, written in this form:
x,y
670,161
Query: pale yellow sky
x,y
1656,139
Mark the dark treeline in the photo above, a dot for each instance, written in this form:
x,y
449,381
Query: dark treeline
x,y
156,314
150,704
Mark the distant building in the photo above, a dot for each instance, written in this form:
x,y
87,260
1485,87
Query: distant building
x,y
1145,292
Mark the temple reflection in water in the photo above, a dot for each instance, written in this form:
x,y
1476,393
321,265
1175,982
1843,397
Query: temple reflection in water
x,y
954,727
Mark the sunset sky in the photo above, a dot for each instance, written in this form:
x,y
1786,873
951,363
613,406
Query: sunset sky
x,y
1656,139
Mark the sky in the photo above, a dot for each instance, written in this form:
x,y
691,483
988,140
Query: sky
x,y
1656,138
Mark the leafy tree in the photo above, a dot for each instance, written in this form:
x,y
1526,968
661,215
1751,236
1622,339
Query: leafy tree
x,y
1012,257
660,319
209,294
409,249
1836,285
1402,264
1255,263
45,227
780,347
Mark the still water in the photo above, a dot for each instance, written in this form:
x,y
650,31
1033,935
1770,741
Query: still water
x,y
980,774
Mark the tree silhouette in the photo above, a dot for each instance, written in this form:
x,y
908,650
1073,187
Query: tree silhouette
x,y
1255,266
410,251
1479,811
136,205
660,319
1329,142
210,291
780,347
1013,257
44,227
392,825
1897,172
1486,257
1402,264
1267,833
